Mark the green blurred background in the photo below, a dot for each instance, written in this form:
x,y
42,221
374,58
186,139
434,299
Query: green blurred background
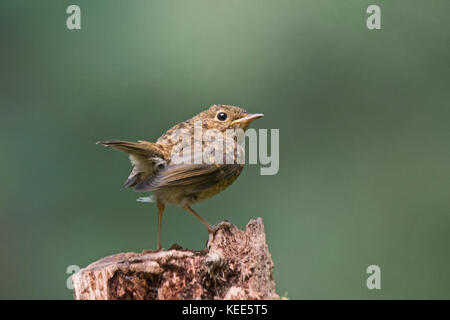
x,y
364,136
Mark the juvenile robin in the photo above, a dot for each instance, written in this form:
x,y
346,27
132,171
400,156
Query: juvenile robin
x,y
184,176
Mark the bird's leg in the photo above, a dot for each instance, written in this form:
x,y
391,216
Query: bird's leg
x,y
195,214
161,207
211,229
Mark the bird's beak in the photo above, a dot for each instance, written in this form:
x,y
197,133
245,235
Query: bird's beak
x,y
247,119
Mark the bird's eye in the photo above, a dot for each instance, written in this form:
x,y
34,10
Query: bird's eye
x,y
222,116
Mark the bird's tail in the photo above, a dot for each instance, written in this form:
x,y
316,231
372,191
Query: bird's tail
x,y
141,148
144,155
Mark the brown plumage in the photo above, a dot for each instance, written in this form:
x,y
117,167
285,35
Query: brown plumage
x,y
156,170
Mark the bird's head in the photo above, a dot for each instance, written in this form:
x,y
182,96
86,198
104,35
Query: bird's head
x,y
224,117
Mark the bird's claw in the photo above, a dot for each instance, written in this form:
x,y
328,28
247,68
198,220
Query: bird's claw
x,y
212,230
221,224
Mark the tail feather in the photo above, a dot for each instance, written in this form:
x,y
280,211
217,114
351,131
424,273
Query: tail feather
x,y
144,156
141,148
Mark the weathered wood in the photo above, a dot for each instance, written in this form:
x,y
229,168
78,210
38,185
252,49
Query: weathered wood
x,y
237,265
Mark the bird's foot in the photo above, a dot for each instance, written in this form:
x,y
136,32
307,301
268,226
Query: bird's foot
x,y
221,224
212,230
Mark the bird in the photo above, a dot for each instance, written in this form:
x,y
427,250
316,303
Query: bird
x,y
170,168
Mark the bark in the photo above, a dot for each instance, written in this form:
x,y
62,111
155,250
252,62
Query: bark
x,y
237,265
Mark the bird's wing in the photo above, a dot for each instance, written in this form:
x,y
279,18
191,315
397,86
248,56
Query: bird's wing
x,y
144,155
192,177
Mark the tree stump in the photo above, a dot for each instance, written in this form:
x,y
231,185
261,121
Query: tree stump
x,y
237,265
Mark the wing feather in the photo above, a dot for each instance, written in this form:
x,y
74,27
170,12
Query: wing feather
x,y
194,177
